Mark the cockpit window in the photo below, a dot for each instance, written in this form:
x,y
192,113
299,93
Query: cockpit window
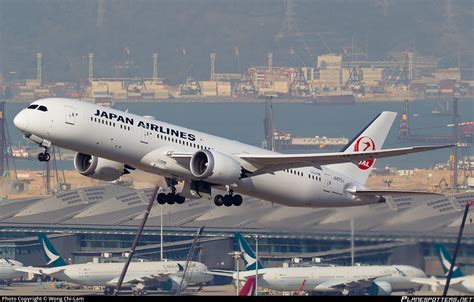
x,y
42,108
32,107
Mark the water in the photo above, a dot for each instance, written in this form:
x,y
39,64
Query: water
x,y
244,122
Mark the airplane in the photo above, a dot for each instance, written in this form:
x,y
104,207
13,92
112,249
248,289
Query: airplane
x,y
249,287
377,280
8,270
110,143
163,275
459,281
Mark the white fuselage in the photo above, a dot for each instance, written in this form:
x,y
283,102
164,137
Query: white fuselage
x,y
291,279
7,269
144,143
107,274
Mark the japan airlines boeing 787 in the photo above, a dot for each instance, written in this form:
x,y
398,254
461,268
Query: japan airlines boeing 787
x,y
110,143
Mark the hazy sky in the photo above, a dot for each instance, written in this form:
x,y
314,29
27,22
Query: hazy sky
x,y
66,30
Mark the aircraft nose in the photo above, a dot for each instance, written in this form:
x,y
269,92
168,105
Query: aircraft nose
x,y
21,120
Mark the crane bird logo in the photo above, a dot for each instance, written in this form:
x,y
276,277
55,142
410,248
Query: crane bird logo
x,y
365,143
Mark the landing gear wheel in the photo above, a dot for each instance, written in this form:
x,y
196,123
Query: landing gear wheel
x,y
41,157
180,199
161,198
170,198
237,200
47,157
108,291
218,200
228,200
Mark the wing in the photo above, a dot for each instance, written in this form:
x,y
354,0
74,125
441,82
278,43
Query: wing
x,y
349,284
146,280
359,192
267,163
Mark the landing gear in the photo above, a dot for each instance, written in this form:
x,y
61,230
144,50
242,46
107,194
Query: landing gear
x,y
44,156
108,291
138,292
172,197
228,200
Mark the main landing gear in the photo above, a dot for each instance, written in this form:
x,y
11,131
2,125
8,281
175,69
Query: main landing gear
x,y
44,156
228,199
172,197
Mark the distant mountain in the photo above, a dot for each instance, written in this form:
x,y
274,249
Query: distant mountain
x,y
66,30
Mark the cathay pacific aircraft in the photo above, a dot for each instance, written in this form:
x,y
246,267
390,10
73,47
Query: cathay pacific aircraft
x,y
162,275
110,143
8,270
459,281
378,280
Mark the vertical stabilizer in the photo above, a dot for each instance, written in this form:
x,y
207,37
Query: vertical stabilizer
x,y
249,287
370,138
446,261
53,258
249,255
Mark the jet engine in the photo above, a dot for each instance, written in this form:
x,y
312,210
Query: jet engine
x,y
98,168
173,284
380,288
215,167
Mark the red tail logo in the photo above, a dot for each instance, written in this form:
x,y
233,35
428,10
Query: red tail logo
x,y
249,287
364,143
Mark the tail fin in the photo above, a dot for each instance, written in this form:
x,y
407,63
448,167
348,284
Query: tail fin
x,y
371,137
446,262
249,287
249,255
53,258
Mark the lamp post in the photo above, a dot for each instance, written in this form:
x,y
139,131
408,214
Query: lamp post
x,y
237,255
256,264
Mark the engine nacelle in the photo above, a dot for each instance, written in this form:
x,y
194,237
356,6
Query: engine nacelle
x,y
173,284
380,288
215,167
98,168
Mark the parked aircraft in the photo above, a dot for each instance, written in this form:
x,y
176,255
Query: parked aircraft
x,y
459,281
8,270
371,280
110,143
163,275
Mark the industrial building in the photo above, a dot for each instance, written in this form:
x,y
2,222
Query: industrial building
x,y
91,223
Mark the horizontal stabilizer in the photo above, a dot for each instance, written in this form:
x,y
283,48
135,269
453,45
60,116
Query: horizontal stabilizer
x,y
40,271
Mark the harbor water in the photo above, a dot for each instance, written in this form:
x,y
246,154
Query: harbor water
x,y
244,122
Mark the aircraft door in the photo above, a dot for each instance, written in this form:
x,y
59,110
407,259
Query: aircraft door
x,y
70,117
145,135
327,183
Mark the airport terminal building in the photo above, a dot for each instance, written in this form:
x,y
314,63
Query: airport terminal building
x,y
96,223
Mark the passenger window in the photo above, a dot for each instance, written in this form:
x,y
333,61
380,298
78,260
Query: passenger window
x,y
32,107
42,108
